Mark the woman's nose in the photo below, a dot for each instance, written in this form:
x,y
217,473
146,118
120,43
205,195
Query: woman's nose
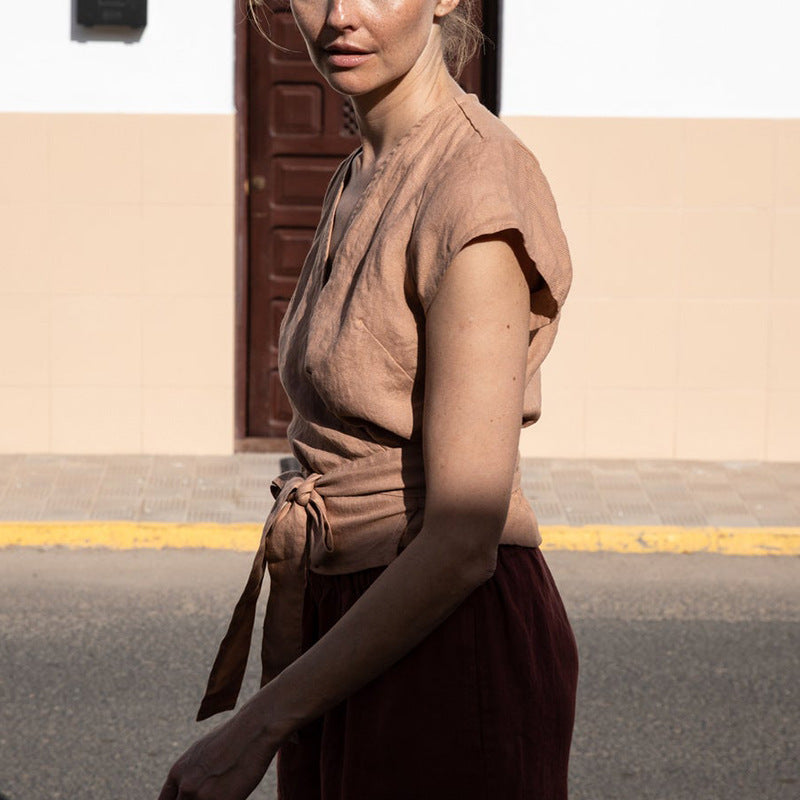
x,y
342,14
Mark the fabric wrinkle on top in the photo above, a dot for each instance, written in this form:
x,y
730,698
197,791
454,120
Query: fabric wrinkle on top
x,y
351,359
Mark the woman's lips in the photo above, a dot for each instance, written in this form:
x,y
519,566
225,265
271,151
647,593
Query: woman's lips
x,y
346,57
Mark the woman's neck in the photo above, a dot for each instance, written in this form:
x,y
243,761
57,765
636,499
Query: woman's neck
x,y
386,115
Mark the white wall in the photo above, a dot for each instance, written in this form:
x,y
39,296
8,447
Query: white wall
x,y
648,58
181,63
651,58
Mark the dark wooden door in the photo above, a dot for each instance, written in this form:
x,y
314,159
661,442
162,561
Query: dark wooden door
x,y
295,130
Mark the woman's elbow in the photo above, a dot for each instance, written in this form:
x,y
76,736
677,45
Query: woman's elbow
x,y
471,544
485,565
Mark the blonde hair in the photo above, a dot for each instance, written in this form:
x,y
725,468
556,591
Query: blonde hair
x,y
461,35
461,31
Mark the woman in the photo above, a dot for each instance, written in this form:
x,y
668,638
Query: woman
x,y
415,645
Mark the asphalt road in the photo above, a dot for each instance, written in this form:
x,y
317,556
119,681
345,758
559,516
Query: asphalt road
x,y
689,681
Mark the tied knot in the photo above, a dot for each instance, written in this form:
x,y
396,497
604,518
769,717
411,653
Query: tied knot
x,y
303,492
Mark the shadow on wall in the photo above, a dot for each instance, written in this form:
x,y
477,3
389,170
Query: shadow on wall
x,y
100,33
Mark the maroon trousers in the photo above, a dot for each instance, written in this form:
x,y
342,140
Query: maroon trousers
x,y
482,708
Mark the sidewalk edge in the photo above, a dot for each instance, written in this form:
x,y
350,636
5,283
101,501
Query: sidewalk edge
x,y
127,535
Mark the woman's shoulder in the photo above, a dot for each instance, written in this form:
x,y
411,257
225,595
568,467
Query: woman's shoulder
x,y
480,166
479,155
487,181
484,140
486,125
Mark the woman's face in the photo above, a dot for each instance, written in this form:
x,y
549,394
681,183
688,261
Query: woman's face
x,y
362,45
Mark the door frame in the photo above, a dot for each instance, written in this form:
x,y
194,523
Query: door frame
x,y
490,87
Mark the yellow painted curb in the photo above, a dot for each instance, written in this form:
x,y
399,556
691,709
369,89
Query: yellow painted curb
x,y
782,541
131,535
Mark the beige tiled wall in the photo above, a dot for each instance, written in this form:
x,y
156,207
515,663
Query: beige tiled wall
x,y
681,336
116,283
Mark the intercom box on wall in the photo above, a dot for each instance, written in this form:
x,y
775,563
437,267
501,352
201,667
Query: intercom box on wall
x,y
128,13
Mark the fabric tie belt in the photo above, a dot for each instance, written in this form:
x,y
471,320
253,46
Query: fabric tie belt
x,y
285,557
297,524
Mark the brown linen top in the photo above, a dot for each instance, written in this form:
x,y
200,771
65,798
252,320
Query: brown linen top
x,y
351,360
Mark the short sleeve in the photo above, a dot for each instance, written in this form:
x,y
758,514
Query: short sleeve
x,y
489,186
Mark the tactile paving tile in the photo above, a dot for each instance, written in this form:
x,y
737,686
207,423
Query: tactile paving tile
x,y
628,505
548,513
257,508
661,479
123,509
262,498
713,490
761,494
788,480
732,520
634,518
42,459
221,516
165,468
764,500
129,462
717,493
5,481
27,482
20,493
79,486
706,482
587,517
168,509
165,493
750,473
250,517
536,466
688,517
157,481
665,496
722,505
547,495
536,486
776,514
65,514
252,484
600,465
14,510
219,494
216,465
678,508
573,477
71,497
122,486
610,481
67,505
574,496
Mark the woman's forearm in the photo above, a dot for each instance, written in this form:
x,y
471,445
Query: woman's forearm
x,y
408,600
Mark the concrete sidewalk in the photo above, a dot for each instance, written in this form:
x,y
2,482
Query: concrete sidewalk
x,y
592,501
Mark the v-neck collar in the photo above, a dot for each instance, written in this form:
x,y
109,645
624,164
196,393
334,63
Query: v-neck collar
x,y
328,260
331,221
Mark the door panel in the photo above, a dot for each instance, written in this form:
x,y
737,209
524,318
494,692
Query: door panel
x,y
297,131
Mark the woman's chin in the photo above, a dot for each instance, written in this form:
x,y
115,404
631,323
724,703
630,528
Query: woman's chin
x,y
350,84
357,81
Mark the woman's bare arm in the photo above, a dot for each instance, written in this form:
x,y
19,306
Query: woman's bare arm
x,y
477,338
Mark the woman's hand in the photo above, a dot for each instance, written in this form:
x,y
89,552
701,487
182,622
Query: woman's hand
x,y
226,764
